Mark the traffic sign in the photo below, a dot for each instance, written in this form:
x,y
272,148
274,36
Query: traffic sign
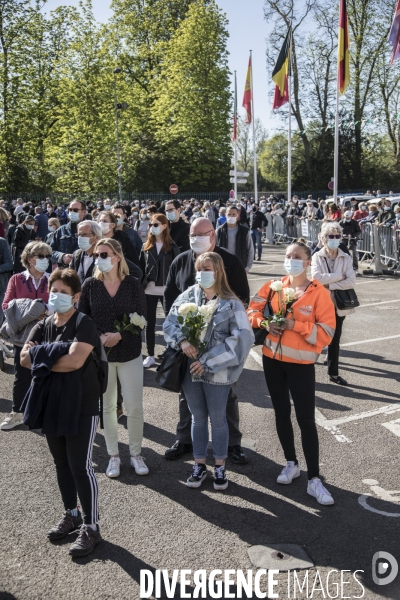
x,y
239,174
331,185
173,189
238,180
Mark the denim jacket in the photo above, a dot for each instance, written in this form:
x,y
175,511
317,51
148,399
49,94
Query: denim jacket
x,y
65,241
229,337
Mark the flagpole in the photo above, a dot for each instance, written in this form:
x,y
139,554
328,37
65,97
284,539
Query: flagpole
x,y
235,140
254,131
336,159
289,195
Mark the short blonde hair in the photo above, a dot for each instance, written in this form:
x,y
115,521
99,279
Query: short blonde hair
x,y
115,246
54,221
32,249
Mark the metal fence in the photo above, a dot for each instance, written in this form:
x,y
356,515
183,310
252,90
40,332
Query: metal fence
x,y
380,245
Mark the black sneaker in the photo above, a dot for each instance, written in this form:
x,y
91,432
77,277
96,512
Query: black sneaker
x,y
237,455
220,479
67,524
86,541
198,476
178,450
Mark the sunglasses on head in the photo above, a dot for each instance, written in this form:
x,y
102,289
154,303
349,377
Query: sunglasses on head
x,y
334,237
42,256
74,209
102,255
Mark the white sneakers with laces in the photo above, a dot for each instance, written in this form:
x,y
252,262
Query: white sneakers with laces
x,y
316,489
139,465
11,421
114,467
148,362
288,473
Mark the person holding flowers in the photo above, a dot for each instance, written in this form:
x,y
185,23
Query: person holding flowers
x,y
116,302
209,323
301,324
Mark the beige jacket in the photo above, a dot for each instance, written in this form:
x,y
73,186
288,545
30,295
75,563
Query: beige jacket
x,y
342,276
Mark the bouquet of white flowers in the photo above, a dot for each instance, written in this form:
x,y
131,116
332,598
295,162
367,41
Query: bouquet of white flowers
x,y
134,323
285,297
194,321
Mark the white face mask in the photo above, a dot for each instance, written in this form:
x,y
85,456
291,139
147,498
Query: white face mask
x,y
231,220
200,244
120,221
42,264
105,227
104,264
107,206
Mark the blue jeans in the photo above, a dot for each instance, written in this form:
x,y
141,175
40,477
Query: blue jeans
x,y
256,237
204,400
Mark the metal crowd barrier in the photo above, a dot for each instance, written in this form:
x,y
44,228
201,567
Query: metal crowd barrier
x,y
287,229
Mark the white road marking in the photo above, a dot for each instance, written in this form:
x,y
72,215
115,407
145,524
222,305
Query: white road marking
x,y
382,494
385,410
390,337
378,303
363,502
393,426
256,357
322,421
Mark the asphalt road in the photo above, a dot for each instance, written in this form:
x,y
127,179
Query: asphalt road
x,y
156,522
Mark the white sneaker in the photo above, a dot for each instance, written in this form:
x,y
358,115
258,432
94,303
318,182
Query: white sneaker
x,y
8,352
114,467
316,489
288,473
139,465
13,420
149,362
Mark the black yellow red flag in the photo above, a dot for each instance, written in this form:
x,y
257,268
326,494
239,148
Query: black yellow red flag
x,y
281,74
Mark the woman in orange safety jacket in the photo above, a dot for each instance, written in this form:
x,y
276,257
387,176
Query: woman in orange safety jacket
x,y
290,350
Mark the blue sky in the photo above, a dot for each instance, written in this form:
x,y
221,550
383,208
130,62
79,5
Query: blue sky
x,y
248,31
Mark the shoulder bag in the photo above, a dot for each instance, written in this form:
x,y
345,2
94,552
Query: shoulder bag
x,y
171,371
345,299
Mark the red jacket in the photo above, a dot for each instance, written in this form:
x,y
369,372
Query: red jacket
x,y
21,286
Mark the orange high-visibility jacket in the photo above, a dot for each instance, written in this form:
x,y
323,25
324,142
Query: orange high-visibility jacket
x,y
314,328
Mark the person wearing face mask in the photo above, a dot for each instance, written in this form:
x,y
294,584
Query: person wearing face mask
x,y
179,228
188,211
106,297
228,339
66,407
258,222
290,352
108,223
351,232
386,214
65,239
142,224
53,225
24,234
61,215
333,268
107,204
181,276
373,214
361,213
30,285
156,258
221,217
236,238
119,211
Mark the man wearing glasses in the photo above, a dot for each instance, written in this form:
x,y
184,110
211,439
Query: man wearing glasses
x,y
181,276
65,239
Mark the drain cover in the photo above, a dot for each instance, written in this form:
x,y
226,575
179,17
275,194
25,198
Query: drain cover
x,y
284,557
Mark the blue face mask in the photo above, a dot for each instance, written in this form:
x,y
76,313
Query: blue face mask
x,y
171,216
333,244
294,266
73,216
205,278
60,303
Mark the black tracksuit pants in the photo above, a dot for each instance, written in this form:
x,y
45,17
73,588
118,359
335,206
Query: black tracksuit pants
x,y
75,474
299,380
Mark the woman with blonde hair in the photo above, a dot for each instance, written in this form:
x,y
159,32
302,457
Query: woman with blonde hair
x,y
228,337
4,222
53,224
156,258
109,296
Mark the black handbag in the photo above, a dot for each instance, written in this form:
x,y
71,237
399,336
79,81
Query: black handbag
x,y
259,333
171,371
345,299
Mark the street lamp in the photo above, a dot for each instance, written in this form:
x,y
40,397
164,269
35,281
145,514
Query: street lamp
x,y
118,107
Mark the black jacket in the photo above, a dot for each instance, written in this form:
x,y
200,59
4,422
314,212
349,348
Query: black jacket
x,y
182,275
180,234
22,237
134,270
128,249
352,229
259,220
156,266
241,250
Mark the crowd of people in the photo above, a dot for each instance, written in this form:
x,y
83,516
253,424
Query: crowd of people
x,y
79,284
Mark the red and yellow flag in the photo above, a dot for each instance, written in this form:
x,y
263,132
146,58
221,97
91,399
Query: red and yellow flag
x,y
343,48
248,94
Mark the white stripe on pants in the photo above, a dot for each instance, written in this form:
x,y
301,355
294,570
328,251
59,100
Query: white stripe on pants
x,y
130,375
